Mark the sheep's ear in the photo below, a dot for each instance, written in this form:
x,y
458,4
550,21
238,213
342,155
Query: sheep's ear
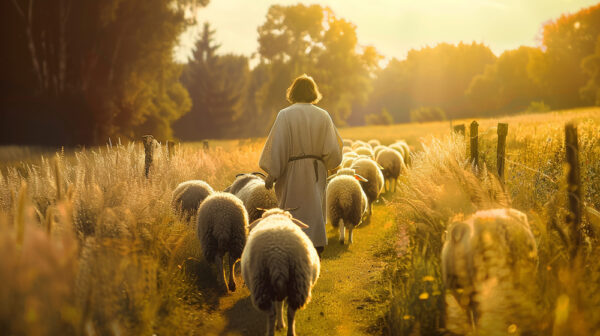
x,y
260,174
240,174
299,223
360,178
227,189
331,177
379,166
253,224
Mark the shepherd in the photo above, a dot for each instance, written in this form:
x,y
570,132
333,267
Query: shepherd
x,y
302,146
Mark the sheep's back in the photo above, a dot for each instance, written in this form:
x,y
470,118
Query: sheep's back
x,y
255,197
222,225
345,200
188,196
279,260
368,169
391,161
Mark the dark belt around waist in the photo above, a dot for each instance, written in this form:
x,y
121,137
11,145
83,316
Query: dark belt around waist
x,y
315,164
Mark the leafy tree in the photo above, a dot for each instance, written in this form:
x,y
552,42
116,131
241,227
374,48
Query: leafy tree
x,y
505,86
89,70
216,85
566,42
311,39
425,114
383,118
591,65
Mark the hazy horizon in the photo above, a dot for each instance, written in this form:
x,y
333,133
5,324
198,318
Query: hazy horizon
x,y
393,27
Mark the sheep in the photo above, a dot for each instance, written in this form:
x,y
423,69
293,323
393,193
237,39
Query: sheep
x,y
358,143
346,201
279,262
347,142
188,196
364,151
492,246
402,147
374,143
370,170
378,149
392,164
222,228
250,188
347,162
346,149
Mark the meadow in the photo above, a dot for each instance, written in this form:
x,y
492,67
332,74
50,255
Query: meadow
x,y
90,246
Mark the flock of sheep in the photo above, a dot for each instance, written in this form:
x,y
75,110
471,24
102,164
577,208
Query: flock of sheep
x,y
279,262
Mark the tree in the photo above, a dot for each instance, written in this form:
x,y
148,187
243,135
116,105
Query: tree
x,y
591,65
93,69
566,42
383,118
311,39
216,85
506,85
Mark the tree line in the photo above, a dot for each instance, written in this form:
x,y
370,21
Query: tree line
x,y
81,72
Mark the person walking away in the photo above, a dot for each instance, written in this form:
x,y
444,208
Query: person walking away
x,y
302,146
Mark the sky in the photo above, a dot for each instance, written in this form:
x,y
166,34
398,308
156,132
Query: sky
x,y
394,27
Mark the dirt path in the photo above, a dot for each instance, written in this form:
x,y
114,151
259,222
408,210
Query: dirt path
x,y
347,299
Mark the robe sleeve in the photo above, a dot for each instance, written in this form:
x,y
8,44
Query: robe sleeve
x,y
332,148
275,154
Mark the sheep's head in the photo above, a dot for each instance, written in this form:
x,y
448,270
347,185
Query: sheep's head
x,y
277,211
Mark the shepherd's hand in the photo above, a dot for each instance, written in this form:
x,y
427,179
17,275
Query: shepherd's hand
x,y
269,182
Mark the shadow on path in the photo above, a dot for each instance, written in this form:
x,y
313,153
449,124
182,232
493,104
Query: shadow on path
x,y
245,319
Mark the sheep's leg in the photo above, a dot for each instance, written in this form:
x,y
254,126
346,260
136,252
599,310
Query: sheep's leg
x,y
341,224
221,273
350,241
231,274
291,325
271,320
279,324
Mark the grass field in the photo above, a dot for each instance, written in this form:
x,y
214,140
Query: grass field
x,y
90,246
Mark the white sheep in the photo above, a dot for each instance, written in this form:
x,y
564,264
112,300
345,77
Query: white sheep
x,y
374,143
250,188
402,147
188,196
371,171
346,201
378,149
346,149
365,151
222,228
347,142
392,164
358,143
491,247
279,262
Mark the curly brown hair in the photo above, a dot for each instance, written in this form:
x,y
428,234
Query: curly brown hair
x,y
303,90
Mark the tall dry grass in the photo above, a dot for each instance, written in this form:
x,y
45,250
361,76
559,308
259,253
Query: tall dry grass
x,y
90,246
563,298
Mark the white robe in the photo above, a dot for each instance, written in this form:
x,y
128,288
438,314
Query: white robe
x,y
303,129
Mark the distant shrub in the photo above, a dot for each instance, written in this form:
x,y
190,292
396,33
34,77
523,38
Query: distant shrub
x,y
383,118
425,114
538,106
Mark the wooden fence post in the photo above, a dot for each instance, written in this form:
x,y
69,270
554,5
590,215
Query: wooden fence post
x,y
501,149
205,144
573,188
149,151
171,148
460,129
474,143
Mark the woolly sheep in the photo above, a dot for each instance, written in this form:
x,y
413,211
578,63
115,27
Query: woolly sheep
x,y
392,164
370,170
279,262
347,162
374,143
364,151
222,228
347,142
492,245
346,201
346,149
188,196
402,147
378,149
250,188
358,143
